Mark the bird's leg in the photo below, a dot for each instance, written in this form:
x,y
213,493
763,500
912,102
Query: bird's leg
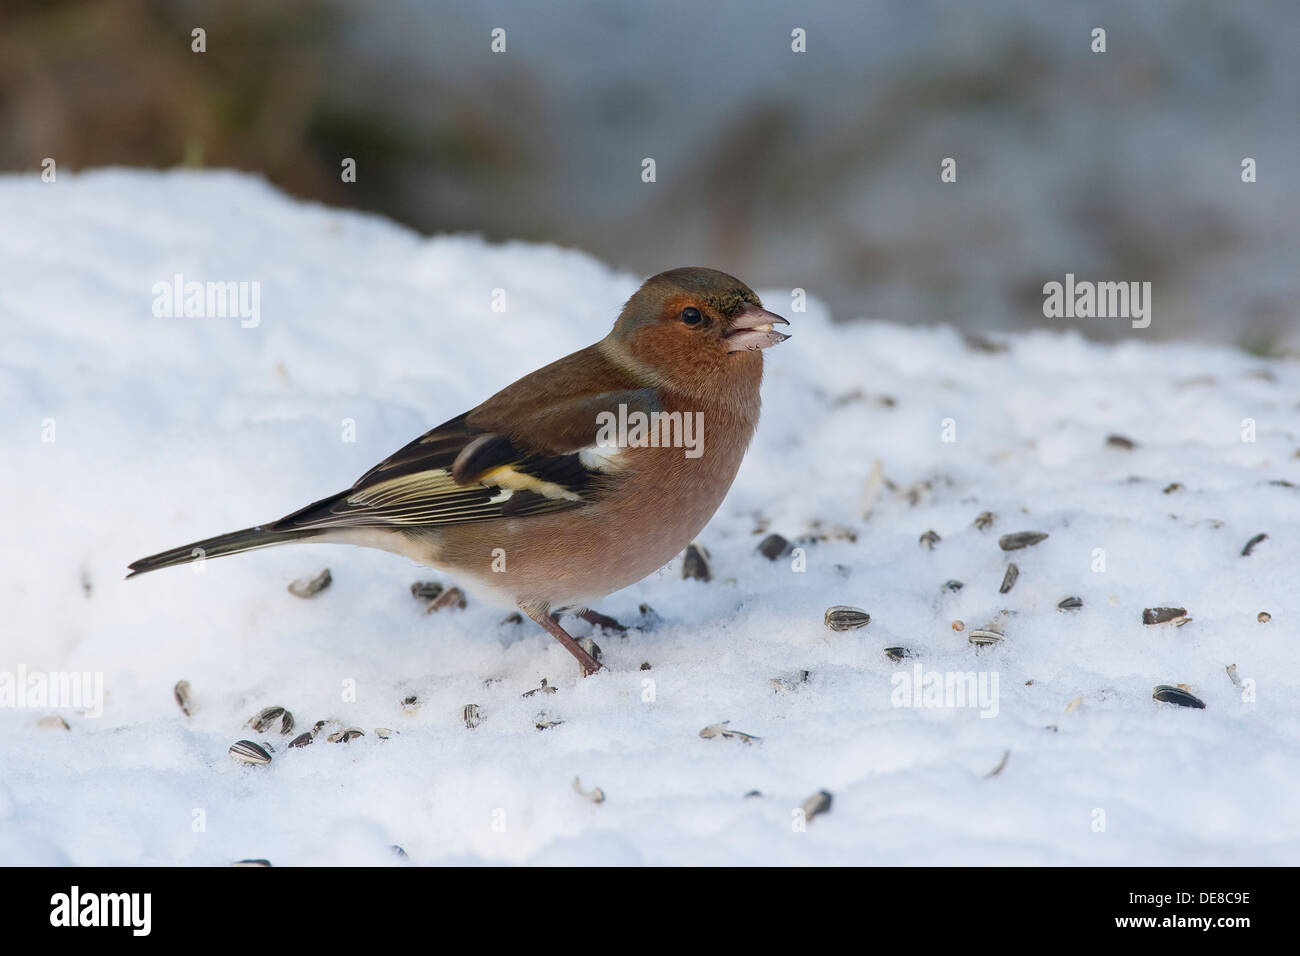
x,y
596,619
540,615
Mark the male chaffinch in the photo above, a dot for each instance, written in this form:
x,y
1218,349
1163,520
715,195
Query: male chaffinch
x,y
555,491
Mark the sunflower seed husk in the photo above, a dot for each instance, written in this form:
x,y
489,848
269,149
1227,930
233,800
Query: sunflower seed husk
x,y
265,717
53,722
1172,487
545,721
251,863
470,714
383,733
1232,674
1171,694
248,752
425,590
399,852
753,793
695,564
773,547
984,520
410,705
595,794
515,618
546,688
784,684
984,636
1020,539
720,730
959,625
1119,441
592,648
345,736
816,805
842,617
645,665
1263,617
310,587
302,740
953,585
897,654
1072,603
1250,545
930,539
1006,755
451,597
1074,704
1009,579
184,699
1165,615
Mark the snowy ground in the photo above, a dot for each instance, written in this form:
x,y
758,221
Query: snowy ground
x,y
170,429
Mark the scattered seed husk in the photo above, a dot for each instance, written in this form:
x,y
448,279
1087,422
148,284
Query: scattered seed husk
x,y
872,489
383,733
1174,486
720,730
1263,617
774,546
783,685
645,665
304,739
959,625
184,699
1074,704
546,688
930,539
592,648
897,654
425,590
310,587
515,618
984,520
1232,674
472,716
953,585
841,617
1009,579
984,636
649,617
1020,539
1006,755
595,794
753,793
399,852
410,705
251,863
53,722
1165,615
450,598
345,736
695,564
265,717
1250,545
247,751
816,805
1119,441
1171,694
1071,603
545,721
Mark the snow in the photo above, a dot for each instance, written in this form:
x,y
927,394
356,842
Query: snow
x,y
166,430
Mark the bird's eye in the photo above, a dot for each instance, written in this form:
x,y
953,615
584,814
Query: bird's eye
x,y
691,316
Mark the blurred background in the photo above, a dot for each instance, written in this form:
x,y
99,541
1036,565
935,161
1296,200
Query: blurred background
x,y
817,170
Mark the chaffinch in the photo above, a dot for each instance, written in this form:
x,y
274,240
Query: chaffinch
x,y
577,480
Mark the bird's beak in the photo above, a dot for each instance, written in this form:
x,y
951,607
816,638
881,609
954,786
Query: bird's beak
x,y
753,329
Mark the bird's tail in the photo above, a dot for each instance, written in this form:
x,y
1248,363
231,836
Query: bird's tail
x,y
247,540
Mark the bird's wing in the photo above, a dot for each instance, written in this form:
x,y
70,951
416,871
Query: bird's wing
x,y
486,464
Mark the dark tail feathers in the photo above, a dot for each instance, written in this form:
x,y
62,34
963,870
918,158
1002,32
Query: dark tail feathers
x,y
247,540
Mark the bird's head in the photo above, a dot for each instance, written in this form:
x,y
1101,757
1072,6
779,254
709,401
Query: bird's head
x,y
693,328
